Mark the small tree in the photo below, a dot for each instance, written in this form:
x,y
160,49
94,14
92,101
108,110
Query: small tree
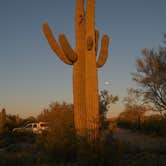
x,y
135,106
105,99
151,75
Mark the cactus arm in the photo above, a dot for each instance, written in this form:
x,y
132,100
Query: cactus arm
x,y
103,52
96,40
69,52
54,45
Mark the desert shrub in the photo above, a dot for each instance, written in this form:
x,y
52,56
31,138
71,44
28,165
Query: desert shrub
x,y
131,117
123,124
17,138
156,126
128,124
61,145
153,124
104,152
22,137
59,142
18,158
12,121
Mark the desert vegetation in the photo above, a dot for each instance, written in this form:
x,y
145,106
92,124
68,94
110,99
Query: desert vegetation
x,y
61,146
80,133
150,96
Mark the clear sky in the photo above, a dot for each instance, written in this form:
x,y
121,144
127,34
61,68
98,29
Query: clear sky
x,y
31,76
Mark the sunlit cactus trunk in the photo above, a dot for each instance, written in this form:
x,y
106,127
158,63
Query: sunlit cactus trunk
x,y
83,59
79,71
91,81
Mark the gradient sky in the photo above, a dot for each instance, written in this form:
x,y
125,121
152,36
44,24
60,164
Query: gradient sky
x,y
31,76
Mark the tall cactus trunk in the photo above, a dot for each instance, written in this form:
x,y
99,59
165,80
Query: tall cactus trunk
x,y
91,83
79,71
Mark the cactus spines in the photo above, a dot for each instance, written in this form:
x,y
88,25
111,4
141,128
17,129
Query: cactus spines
x,y
83,59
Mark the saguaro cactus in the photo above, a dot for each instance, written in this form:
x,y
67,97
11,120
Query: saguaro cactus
x,y
2,119
83,59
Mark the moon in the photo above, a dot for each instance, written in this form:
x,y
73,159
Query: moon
x,y
106,83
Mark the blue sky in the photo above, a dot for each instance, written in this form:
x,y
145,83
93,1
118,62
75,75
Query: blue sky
x,y
31,76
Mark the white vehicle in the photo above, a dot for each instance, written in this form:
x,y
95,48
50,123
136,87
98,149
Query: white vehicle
x,y
42,126
36,128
